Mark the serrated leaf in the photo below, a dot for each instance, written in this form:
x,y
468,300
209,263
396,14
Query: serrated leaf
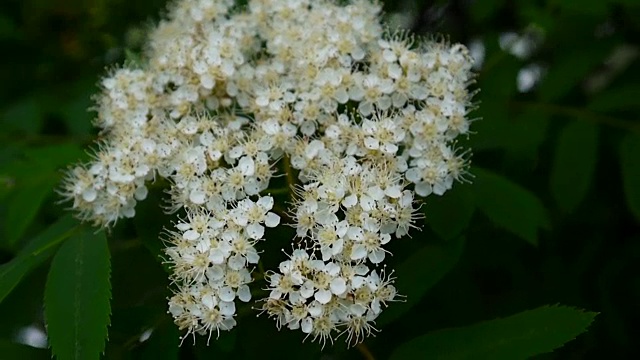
x,y
35,253
574,164
519,336
421,271
630,163
77,296
449,215
509,205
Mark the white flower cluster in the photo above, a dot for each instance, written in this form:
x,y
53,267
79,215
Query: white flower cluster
x,y
367,120
210,253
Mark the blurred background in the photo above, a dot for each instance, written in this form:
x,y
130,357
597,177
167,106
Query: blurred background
x,y
552,216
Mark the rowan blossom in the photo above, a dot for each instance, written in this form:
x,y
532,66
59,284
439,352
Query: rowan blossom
x,y
361,121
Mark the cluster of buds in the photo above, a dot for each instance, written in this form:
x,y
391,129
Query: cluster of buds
x,y
361,121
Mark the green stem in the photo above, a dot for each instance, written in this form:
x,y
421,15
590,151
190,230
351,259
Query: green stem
x,y
291,181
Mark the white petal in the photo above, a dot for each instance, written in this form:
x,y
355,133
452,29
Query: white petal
x,y
375,192
413,175
209,301
338,286
252,256
227,308
265,202
315,309
271,220
227,294
377,256
255,231
306,325
423,188
393,192
183,226
357,309
306,290
216,257
350,201
358,252
323,296
375,306
275,294
247,166
357,282
191,235
197,196
244,294
89,194
371,143
367,203
215,272
141,193
236,262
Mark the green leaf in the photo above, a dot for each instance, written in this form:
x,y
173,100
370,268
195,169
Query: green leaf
x,y
519,336
77,297
34,254
527,131
570,69
618,98
574,164
25,202
14,351
498,84
630,162
421,271
449,215
509,205
31,188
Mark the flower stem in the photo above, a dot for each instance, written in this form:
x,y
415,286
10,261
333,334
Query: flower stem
x,y
365,352
289,171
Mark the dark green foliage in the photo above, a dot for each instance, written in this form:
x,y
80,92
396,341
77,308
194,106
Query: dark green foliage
x,y
519,336
574,163
36,252
77,296
509,205
423,269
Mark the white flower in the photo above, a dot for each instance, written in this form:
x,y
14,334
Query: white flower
x,y
225,99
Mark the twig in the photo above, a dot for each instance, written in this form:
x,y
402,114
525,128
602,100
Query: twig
x,y
365,352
